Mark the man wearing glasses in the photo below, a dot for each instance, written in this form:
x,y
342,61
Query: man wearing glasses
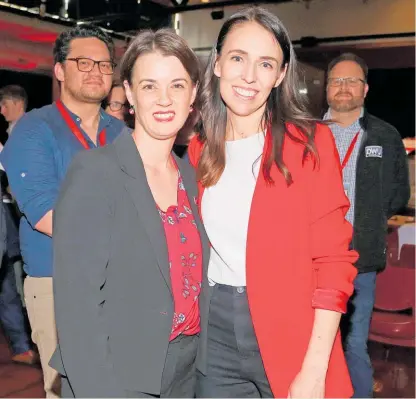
x,y
36,158
115,103
375,175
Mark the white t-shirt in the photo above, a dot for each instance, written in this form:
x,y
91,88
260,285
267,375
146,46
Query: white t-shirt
x,y
226,210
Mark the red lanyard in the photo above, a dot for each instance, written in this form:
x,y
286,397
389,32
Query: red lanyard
x,y
75,129
350,150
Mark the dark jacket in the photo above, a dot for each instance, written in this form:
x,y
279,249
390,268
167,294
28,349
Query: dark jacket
x,y
382,189
3,230
112,289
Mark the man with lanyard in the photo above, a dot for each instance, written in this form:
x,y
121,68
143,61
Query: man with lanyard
x,y
36,158
375,176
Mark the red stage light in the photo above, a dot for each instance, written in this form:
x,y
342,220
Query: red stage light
x,y
25,65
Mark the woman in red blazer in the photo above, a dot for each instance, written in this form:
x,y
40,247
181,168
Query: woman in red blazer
x,y
273,205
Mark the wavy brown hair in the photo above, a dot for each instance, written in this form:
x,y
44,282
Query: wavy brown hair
x,y
285,105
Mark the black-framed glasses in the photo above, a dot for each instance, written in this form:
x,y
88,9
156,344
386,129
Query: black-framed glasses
x,y
352,82
116,105
87,65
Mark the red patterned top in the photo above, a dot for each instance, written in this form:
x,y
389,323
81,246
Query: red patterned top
x,y
185,262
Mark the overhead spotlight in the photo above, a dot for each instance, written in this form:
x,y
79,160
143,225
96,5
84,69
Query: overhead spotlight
x,y
177,3
42,8
218,14
63,11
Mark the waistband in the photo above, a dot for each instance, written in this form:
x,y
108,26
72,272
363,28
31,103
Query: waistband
x,y
231,289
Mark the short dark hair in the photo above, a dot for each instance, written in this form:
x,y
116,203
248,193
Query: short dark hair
x,y
63,42
14,92
116,83
349,57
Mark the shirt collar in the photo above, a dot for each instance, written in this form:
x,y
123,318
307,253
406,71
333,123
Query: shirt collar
x,y
327,116
11,126
105,119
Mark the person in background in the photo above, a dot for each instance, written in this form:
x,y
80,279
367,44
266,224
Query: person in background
x,y
13,105
3,232
115,103
36,158
130,251
273,206
375,179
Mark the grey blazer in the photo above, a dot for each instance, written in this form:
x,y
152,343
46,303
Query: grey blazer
x,y
113,297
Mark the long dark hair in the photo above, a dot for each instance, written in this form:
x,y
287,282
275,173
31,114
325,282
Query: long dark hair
x,y
284,106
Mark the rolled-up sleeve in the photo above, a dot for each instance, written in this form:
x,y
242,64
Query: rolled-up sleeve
x,y
28,158
331,233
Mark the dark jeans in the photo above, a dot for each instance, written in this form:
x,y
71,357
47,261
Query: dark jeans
x,y
355,329
12,317
12,223
234,364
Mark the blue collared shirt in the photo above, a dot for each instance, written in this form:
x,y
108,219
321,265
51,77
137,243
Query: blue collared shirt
x,y
36,158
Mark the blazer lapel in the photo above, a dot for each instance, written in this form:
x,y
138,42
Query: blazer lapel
x,y
189,181
138,188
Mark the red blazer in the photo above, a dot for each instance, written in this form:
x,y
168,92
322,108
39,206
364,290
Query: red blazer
x,y
298,259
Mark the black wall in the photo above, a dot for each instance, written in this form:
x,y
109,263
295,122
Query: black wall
x,y
392,98
38,88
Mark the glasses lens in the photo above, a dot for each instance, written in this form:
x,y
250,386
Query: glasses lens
x,y
106,67
115,106
352,82
85,64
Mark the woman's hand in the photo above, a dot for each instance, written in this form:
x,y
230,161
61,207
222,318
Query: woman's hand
x,y
309,383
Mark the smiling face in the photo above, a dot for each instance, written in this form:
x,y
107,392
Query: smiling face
x,y
249,67
162,93
346,89
90,87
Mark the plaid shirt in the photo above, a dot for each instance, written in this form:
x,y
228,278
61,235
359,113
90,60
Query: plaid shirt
x,y
343,138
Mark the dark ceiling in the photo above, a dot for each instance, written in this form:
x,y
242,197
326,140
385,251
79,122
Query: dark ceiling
x,y
120,16
123,16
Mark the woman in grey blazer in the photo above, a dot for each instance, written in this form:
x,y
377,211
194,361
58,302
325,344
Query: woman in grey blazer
x,y
130,252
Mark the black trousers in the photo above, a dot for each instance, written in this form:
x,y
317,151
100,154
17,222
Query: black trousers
x,y
179,374
234,364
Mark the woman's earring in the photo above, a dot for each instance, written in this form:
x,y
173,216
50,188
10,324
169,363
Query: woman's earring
x,y
191,108
131,110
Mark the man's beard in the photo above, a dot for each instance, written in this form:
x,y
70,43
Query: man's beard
x,y
345,105
90,94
